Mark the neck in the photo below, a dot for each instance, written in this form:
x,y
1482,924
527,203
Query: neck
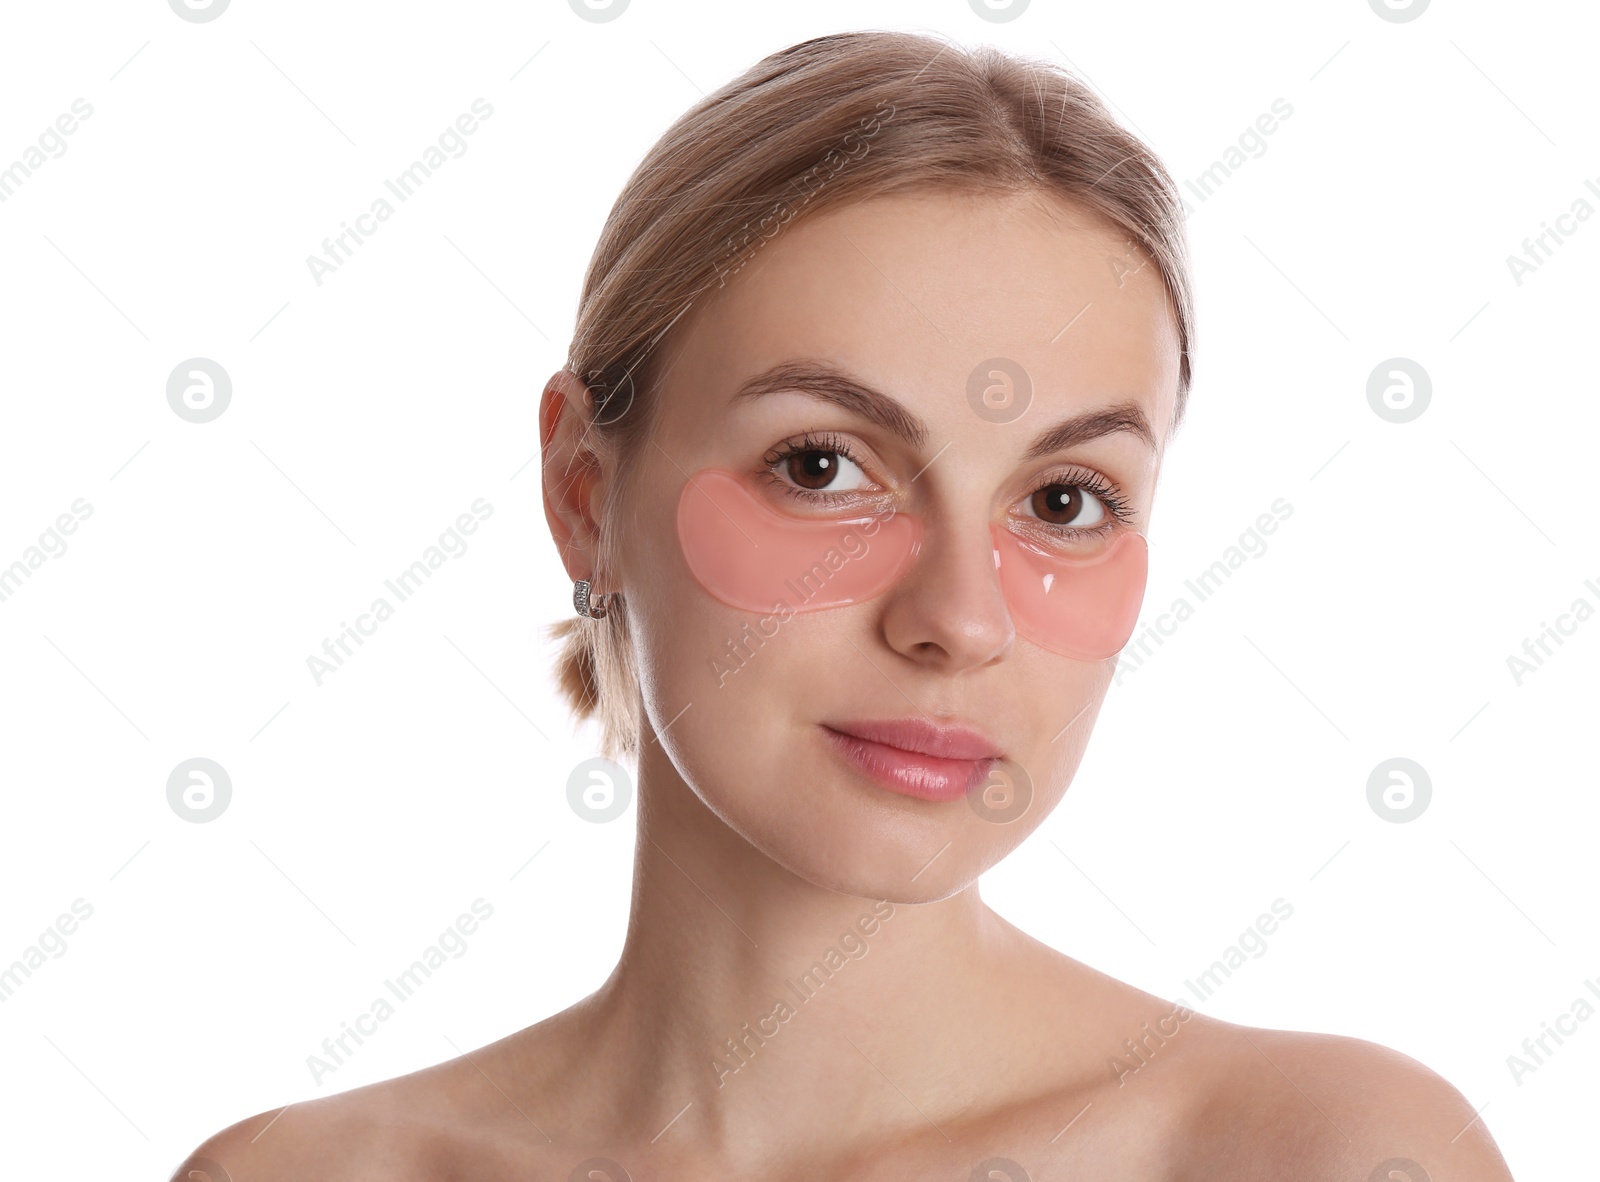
x,y
751,1007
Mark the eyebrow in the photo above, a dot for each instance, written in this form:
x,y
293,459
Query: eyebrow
x,y
829,383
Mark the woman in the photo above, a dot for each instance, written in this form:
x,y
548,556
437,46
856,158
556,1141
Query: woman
x,y
851,465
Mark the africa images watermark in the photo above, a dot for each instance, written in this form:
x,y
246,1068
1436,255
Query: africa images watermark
x,y
1252,940
740,1049
451,544
53,940
851,546
1252,145
1538,249
52,145
1536,649
1252,543
51,544
338,249
1141,1052
738,249
402,988
1566,1023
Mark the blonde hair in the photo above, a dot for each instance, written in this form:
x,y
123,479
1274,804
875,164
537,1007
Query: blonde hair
x,y
836,118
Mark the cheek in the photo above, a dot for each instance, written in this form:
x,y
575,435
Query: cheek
x,y
1055,703
723,689
733,711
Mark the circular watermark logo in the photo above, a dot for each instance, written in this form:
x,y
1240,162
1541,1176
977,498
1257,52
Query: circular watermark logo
x,y
998,1169
612,402
199,790
203,1169
999,390
199,11
1399,390
1399,1169
999,11
599,790
1399,790
199,390
598,1169
1399,11
1003,796
599,11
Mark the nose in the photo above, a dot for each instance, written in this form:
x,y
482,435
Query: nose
x,y
947,611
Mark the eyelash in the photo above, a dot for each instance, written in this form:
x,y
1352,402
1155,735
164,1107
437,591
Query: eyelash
x,y
1120,513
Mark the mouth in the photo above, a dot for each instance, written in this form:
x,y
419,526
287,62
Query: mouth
x,y
915,757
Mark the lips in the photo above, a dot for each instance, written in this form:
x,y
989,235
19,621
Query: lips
x,y
916,757
922,736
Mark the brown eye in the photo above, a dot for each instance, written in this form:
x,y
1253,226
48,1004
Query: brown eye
x,y
1067,505
813,469
816,470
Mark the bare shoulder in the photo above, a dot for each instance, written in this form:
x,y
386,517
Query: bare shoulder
x,y
467,1117
386,1130
1329,1107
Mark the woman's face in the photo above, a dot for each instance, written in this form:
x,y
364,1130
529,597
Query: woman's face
x,y
908,296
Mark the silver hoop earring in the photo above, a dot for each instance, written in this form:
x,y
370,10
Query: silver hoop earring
x,y
594,609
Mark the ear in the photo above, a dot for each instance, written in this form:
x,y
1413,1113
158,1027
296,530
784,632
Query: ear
x,y
570,472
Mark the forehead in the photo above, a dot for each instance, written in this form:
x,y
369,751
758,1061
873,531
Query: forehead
x,y
916,291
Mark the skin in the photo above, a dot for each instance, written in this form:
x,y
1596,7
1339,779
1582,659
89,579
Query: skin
x,y
956,1037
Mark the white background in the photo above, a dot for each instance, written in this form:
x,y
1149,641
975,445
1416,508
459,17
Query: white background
x,y
370,411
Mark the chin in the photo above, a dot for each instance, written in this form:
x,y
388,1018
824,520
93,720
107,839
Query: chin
x,y
905,851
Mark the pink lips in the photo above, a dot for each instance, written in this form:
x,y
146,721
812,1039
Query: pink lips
x,y
916,757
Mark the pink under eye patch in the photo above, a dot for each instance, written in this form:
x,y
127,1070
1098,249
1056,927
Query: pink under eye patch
x,y
754,557
1082,607
751,556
